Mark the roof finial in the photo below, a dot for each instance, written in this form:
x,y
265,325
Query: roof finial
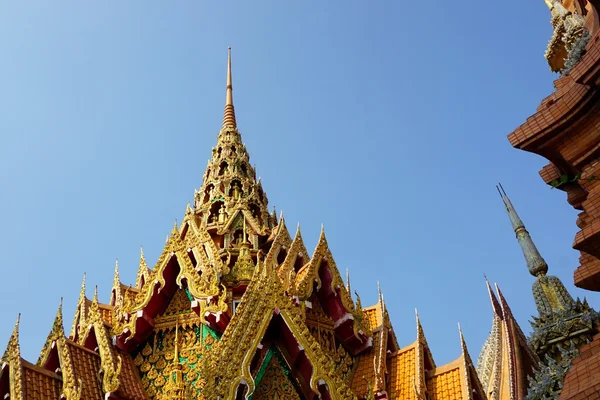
x,y
229,115
535,263
348,281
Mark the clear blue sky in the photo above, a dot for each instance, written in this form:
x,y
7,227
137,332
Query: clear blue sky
x,y
384,120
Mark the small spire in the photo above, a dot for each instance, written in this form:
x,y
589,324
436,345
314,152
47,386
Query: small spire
x,y
420,333
95,300
535,263
463,344
13,350
348,281
82,291
142,269
229,114
15,332
116,279
58,319
175,230
495,304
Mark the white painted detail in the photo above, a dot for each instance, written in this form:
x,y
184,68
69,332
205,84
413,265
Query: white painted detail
x,y
347,317
236,303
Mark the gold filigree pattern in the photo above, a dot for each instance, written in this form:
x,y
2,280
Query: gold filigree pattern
x,y
229,364
275,384
156,358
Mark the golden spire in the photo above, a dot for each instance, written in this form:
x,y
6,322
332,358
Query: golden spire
x,y
142,274
229,114
13,350
79,311
348,281
420,333
95,299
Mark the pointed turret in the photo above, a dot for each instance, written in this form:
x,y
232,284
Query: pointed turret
x,y
535,263
561,318
550,294
230,187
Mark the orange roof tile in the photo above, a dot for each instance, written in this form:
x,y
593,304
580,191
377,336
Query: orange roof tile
x,y
130,385
372,316
364,373
445,383
86,365
40,384
106,312
402,374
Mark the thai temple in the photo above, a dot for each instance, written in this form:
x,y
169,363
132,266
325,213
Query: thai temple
x,y
236,307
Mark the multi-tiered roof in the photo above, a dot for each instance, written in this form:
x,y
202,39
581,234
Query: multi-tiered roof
x,y
236,308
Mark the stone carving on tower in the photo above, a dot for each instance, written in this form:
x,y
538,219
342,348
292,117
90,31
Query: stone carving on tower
x,y
570,36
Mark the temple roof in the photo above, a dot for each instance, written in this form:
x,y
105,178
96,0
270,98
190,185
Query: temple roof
x,y
232,278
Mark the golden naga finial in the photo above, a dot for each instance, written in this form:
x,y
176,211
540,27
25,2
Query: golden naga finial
x,y
142,270
348,281
13,343
79,311
95,299
229,115
116,279
12,356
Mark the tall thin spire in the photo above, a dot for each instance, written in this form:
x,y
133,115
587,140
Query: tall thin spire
x,y
229,114
535,263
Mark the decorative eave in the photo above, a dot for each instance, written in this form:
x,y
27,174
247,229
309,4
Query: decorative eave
x,y
424,361
80,312
334,297
489,364
516,341
11,365
472,388
57,342
110,362
264,300
143,274
173,266
286,271
250,221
